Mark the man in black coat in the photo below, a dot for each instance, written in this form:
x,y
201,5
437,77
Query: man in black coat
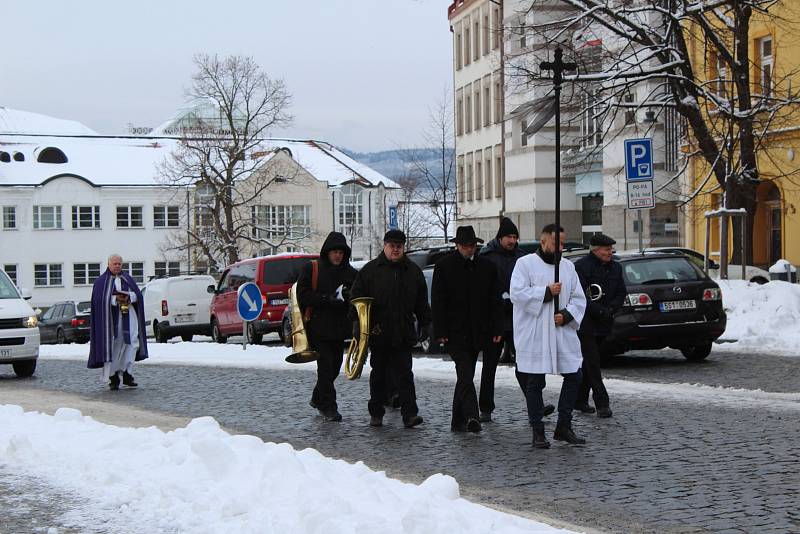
x,y
602,281
467,319
503,252
325,304
400,295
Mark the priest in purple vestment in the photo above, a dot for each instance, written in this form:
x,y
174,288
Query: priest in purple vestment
x,y
117,336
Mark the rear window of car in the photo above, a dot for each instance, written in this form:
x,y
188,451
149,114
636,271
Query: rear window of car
x,y
660,271
84,307
278,272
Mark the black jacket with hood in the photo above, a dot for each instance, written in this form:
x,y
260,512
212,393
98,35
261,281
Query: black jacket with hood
x,y
504,262
329,321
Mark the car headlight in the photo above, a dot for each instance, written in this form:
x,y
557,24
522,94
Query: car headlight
x,y
32,322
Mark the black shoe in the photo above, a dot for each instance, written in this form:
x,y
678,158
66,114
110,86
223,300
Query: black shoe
x,y
412,421
584,407
539,439
473,425
485,417
333,416
565,433
312,404
548,410
458,428
113,382
505,358
396,401
375,421
604,412
128,380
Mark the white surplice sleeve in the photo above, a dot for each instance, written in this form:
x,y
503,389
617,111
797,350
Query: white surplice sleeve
x,y
577,302
523,293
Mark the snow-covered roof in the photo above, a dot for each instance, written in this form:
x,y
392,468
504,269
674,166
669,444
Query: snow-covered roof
x,y
126,160
14,121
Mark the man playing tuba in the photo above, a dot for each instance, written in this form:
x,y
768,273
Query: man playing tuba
x,y
323,295
400,295
601,278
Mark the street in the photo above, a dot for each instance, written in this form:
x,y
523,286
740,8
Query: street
x,y
664,463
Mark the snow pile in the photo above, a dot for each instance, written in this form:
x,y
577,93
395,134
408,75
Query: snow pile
x,y
765,317
201,479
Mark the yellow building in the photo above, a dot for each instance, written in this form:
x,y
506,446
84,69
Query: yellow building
x,y
774,50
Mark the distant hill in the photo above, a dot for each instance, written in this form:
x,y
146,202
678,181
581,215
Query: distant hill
x,y
395,164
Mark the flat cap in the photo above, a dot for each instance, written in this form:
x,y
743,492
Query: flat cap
x,y
601,240
394,236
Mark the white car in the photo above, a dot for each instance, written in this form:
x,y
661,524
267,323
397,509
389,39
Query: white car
x,y
178,306
19,333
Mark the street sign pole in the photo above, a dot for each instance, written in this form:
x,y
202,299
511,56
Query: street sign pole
x,y
639,224
639,177
246,335
249,305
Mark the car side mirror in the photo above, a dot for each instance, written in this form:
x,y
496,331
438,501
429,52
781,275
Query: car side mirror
x,y
211,289
26,293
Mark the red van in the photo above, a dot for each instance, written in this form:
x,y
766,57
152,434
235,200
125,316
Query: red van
x,y
274,275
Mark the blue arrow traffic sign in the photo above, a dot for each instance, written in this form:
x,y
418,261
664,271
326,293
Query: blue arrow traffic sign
x,y
638,159
248,302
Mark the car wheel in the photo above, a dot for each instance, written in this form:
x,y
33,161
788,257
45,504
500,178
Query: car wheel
x,y
760,280
285,332
187,337
60,339
254,338
158,334
215,333
696,353
24,368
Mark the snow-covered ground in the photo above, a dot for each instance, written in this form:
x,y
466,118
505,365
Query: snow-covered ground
x,y
763,318
200,479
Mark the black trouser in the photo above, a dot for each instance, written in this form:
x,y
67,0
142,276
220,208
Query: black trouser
x,y
396,360
591,375
491,356
534,384
329,363
465,399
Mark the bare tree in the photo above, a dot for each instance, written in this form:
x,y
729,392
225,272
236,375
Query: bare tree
x,y
435,177
220,154
695,60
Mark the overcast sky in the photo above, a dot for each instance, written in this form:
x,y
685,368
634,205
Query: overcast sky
x,y
362,73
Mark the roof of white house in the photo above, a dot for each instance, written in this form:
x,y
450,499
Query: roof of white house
x,y
14,121
26,138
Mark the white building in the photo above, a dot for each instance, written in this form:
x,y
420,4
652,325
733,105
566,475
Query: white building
x,y
70,197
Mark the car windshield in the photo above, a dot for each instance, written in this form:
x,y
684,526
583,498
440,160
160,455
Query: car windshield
x,y
660,271
7,288
286,271
84,307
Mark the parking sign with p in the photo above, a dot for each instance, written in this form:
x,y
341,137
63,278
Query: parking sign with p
x,y
638,159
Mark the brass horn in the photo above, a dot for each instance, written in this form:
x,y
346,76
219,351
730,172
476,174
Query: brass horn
x,y
301,352
595,292
357,351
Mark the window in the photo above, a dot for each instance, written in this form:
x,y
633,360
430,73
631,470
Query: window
x,y
460,178
47,217
522,135
9,217
129,217
592,211
86,216
457,50
459,112
167,268
478,175
486,33
765,65
470,186
630,112
476,37
487,101
51,155
477,86
487,173
135,269
275,222
351,206
84,274
47,274
11,271
496,28
498,100
591,129
523,42
466,43
722,77
499,177
468,110
166,216
203,221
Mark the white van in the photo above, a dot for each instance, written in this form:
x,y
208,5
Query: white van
x,y
19,333
178,306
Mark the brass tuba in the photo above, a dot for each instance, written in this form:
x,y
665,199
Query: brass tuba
x,y
357,351
301,352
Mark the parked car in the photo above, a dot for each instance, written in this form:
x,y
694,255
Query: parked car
x,y
65,322
178,306
274,275
19,331
670,303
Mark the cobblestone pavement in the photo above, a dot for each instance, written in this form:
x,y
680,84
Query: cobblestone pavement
x,y
656,466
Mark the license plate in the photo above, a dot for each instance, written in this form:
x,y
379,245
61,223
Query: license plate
x,y
279,302
673,305
5,352
183,318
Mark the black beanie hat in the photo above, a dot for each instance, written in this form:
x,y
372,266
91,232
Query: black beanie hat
x,y
507,227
